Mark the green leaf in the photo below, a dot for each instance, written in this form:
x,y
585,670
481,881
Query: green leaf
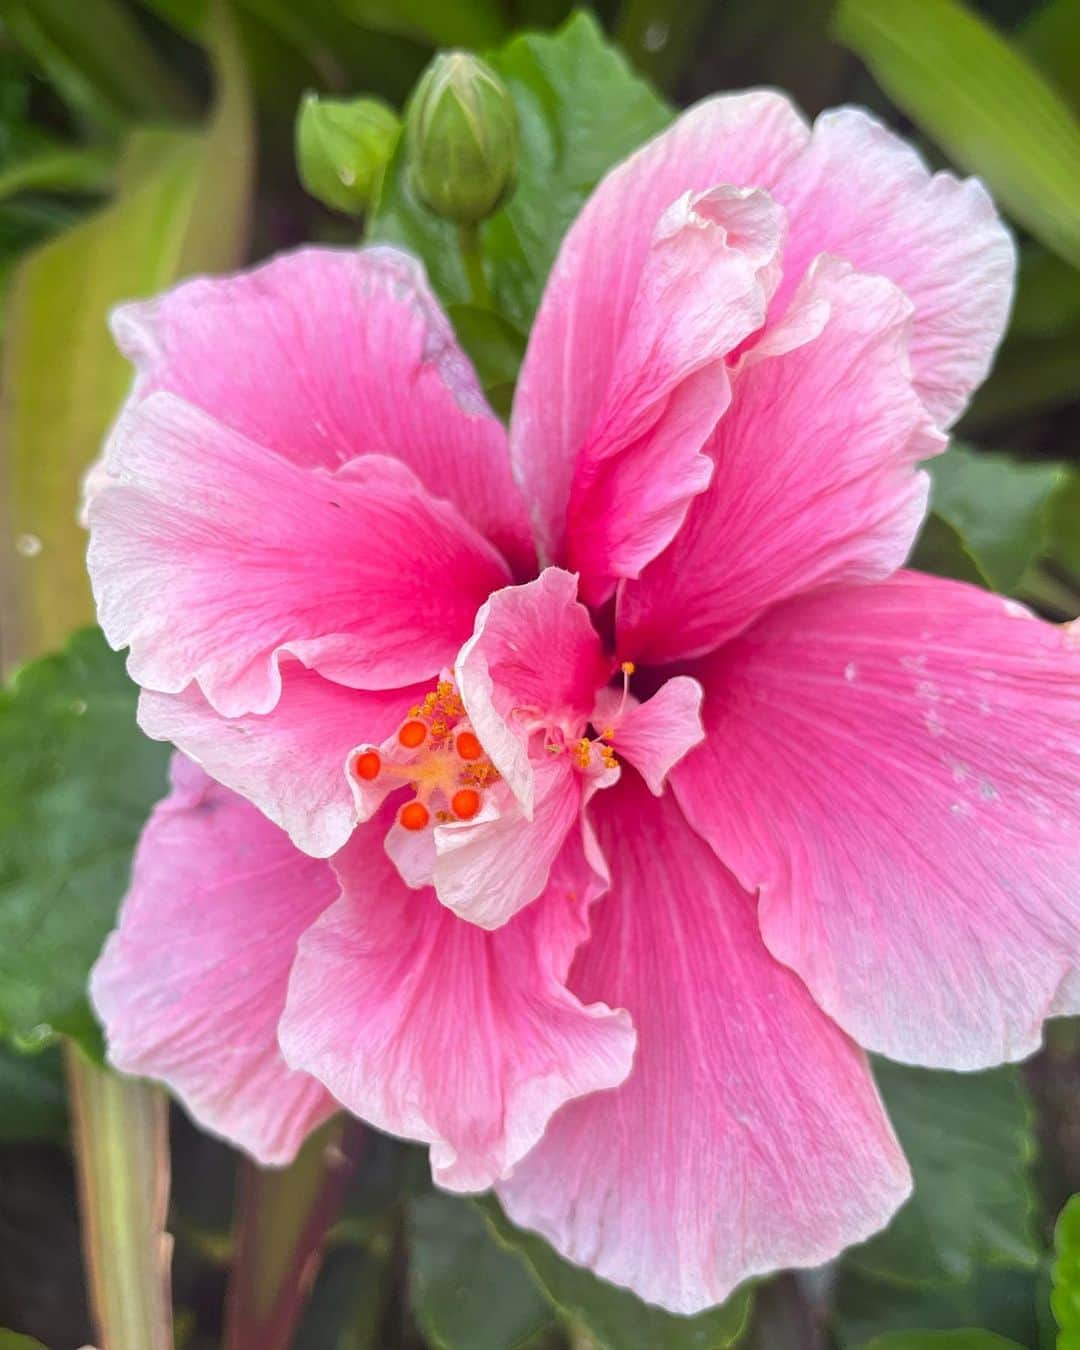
x,y
32,1091
77,780
982,101
968,1138
1064,526
97,58
615,1318
1065,1298
1047,295
1051,38
181,206
468,1292
1003,1301
1031,375
943,1340
997,505
940,551
495,347
11,1340
581,109
59,168
466,23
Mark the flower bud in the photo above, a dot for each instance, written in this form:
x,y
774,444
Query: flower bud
x,y
462,137
342,148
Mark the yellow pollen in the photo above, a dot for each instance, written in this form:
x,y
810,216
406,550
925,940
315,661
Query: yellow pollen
x,y
628,667
608,734
584,752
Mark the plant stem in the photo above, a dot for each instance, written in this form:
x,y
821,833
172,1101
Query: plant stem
x,y
473,258
283,1217
120,1136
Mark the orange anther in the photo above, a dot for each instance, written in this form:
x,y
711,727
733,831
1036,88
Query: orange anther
x,y
414,815
367,766
412,734
465,803
468,746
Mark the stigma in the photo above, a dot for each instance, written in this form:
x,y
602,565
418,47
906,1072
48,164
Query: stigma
x,y
435,752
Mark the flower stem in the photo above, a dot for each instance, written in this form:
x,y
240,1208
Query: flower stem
x,y
473,258
120,1136
283,1217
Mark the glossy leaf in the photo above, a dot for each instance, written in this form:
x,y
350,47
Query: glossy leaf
x,y
613,1317
1065,1298
968,1138
77,781
997,505
982,101
468,1292
181,206
581,110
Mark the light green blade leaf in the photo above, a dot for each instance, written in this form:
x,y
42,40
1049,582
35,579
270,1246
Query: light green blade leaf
x,y
615,1318
997,505
97,58
968,1138
59,168
468,1292
77,781
581,110
181,205
1065,1298
982,101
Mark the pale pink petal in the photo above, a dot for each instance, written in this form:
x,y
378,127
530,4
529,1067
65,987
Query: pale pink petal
x,y
704,286
816,479
656,734
290,761
488,868
211,558
864,194
749,1135
744,140
191,985
430,1028
532,666
325,354
897,768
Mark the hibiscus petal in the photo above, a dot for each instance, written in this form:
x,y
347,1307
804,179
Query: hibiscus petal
x,y
290,761
323,354
749,1135
488,868
816,472
862,193
656,734
897,768
211,557
744,139
704,286
432,1029
192,983
533,664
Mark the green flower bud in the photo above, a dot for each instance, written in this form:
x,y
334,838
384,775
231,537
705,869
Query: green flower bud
x,y
462,135
342,148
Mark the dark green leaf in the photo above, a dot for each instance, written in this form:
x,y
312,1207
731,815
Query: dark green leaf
x,y
1031,375
496,349
615,1318
1051,38
468,1292
940,551
466,23
1047,295
97,58
943,1340
1065,1298
968,1138
998,507
33,1096
581,110
59,168
1000,1300
982,101
1064,526
77,780
11,1340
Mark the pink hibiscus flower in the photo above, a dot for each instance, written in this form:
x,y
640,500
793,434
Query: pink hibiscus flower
x,y
593,874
